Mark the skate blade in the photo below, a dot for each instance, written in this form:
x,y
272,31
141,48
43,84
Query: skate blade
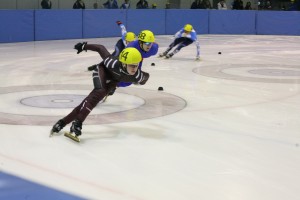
x,y
104,98
69,135
51,133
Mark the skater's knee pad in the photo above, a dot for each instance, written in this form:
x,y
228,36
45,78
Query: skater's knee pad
x,y
97,81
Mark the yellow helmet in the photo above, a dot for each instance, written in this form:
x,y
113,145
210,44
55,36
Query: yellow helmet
x,y
188,27
146,36
130,56
130,36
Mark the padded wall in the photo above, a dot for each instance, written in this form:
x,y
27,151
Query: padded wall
x,y
232,22
102,23
16,25
278,23
176,19
58,24
151,19
30,25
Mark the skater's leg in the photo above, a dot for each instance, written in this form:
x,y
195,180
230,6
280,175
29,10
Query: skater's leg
x,y
173,44
90,103
84,108
100,90
79,114
183,42
72,115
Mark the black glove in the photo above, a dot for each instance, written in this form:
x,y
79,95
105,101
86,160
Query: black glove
x,y
119,23
80,47
92,67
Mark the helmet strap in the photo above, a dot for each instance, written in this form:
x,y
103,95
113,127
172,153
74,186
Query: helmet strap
x,y
124,67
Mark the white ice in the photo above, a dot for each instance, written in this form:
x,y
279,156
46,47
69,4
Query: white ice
x,y
234,136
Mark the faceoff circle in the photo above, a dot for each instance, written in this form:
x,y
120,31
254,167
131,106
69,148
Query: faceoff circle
x,y
148,107
252,72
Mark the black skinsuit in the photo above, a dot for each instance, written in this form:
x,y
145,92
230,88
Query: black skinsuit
x,y
110,72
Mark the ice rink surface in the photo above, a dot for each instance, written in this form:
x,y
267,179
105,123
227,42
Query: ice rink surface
x,y
224,128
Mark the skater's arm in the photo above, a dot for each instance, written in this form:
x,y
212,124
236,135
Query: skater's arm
x,y
179,33
139,77
123,31
99,48
144,78
198,49
93,47
153,51
194,38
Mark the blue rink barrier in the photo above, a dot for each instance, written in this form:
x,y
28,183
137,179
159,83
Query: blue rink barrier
x,y
280,23
16,25
36,25
58,24
102,23
146,19
232,22
198,18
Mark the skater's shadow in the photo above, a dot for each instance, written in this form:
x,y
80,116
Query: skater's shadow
x,y
151,133
179,59
89,135
59,133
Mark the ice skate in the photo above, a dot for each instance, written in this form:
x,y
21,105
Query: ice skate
x,y
92,68
169,55
72,136
104,99
58,126
163,54
75,131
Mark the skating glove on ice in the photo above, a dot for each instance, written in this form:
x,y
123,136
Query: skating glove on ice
x,y
80,47
119,22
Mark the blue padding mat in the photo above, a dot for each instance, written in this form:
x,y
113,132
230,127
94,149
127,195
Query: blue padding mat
x,y
58,24
278,23
15,188
16,25
150,19
176,19
102,23
36,25
232,22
